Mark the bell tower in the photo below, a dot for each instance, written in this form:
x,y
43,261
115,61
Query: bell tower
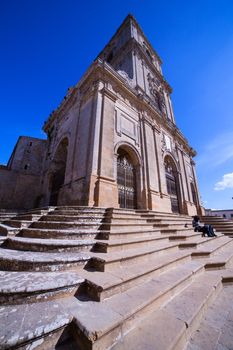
x,y
130,53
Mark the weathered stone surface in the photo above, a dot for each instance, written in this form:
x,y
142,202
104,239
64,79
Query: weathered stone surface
x,y
26,322
141,281
216,329
25,282
20,260
53,245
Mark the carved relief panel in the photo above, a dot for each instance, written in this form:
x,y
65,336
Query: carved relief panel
x,y
127,126
157,94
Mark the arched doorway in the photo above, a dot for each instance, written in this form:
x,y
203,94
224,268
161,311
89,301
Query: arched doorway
x,y
126,180
172,184
58,167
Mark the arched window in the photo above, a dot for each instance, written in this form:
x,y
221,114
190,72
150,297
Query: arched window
x,y
194,196
172,184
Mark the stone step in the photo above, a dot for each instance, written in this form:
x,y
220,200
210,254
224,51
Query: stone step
x,y
223,227
140,223
221,258
184,237
65,225
116,280
175,231
116,244
163,214
27,217
199,241
87,225
81,209
122,211
130,227
124,215
147,216
6,230
68,218
101,286
2,239
211,217
40,323
60,234
212,247
39,211
24,287
18,223
119,313
214,220
215,329
123,258
130,220
48,245
125,242
220,223
181,316
171,220
14,260
225,233
76,214
5,217
120,234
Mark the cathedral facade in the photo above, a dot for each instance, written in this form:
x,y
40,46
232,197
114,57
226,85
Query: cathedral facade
x,y
112,142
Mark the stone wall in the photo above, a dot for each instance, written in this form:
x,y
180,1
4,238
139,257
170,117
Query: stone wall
x,y
18,191
20,180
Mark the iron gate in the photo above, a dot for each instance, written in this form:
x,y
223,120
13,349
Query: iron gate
x,y
126,183
172,187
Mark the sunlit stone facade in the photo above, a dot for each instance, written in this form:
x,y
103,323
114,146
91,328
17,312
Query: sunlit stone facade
x,y
113,141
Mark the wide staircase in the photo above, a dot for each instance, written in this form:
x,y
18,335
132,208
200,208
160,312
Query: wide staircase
x,y
103,278
6,214
220,224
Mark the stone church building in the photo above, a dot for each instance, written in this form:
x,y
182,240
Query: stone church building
x,y
112,142
84,270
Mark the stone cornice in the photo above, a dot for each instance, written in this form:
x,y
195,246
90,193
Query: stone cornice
x,y
109,94
102,71
66,103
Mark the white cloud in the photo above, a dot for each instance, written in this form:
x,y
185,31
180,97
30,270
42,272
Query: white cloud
x,y
226,182
217,151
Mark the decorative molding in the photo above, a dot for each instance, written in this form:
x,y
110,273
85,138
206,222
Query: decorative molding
x,y
106,92
156,91
127,126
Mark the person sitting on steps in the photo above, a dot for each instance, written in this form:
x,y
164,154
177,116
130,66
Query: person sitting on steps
x,y
205,229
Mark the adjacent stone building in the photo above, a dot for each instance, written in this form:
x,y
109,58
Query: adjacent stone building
x,y
225,213
20,178
112,142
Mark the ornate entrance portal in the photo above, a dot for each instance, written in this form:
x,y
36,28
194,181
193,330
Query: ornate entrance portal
x,y
172,185
126,181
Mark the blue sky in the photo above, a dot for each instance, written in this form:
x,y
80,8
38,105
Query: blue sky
x,y
47,45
